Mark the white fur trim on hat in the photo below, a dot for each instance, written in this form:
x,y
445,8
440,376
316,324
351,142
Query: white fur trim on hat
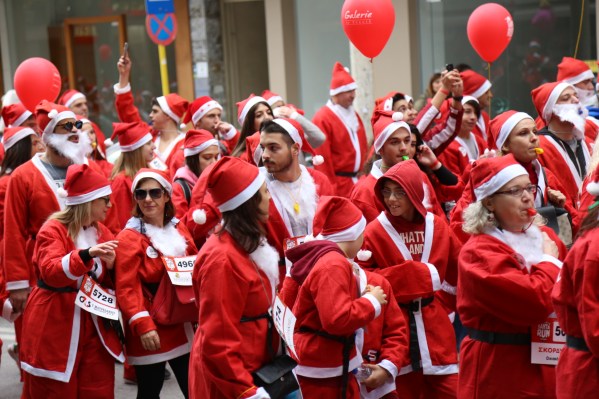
x,y
593,188
499,180
588,74
243,196
289,128
274,99
482,89
199,216
166,109
196,150
552,100
20,135
203,110
137,144
56,117
466,99
152,175
22,118
248,105
342,89
75,97
509,125
387,132
83,198
350,234
317,160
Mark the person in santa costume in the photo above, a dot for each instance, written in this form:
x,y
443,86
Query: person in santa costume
x,y
68,351
346,147
98,154
137,151
151,234
507,271
234,278
575,301
166,118
205,114
201,150
251,112
401,240
477,86
578,74
565,151
15,115
332,306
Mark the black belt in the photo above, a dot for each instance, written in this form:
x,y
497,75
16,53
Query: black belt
x,y
499,338
246,319
576,343
42,284
346,174
415,306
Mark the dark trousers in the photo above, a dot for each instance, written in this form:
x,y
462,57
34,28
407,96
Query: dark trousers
x,y
150,378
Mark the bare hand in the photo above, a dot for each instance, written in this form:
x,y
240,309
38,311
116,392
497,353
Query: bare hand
x,y
18,298
378,293
488,154
549,246
124,67
283,111
150,341
425,156
556,197
378,377
223,127
105,251
449,79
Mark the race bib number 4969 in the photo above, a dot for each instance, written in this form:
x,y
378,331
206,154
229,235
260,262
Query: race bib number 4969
x,y
179,269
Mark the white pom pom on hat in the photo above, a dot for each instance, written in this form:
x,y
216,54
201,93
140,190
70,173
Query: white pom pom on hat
x,y
397,116
317,160
363,255
108,142
182,126
62,193
52,114
199,216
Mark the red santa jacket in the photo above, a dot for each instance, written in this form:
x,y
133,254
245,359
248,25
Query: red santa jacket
x,y
139,264
51,321
457,156
229,286
441,133
122,201
498,294
343,152
577,306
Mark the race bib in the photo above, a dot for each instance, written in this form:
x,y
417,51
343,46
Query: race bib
x,y
179,269
157,163
284,321
548,339
97,300
293,242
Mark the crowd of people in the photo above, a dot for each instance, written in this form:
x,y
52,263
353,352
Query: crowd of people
x,y
452,256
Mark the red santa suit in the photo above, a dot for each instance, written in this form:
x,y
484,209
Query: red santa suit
x,y
179,199
65,351
121,199
447,124
139,265
458,155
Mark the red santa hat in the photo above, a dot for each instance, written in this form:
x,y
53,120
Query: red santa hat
x,y
271,98
573,71
253,151
337,219
385,124
48,115
593,186
15,114
200,107
12,135
131,135
174,106
408,175
545,97
84,184
244,106
341,80
488,175
295,131
503,124
386,103
146,173
69,97
475,85
197,141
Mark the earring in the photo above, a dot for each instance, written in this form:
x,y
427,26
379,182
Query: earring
x,y
491,217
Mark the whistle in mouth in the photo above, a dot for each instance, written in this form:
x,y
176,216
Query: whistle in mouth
x,y
539,150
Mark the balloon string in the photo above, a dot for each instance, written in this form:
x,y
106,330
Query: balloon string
x,y
491,99
579,29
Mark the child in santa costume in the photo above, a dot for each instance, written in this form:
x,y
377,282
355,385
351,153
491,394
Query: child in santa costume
x,y
507,271
235,276
576,302
67,351
251,112
151,234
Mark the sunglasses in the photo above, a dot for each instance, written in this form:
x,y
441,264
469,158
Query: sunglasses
x,y
155,193
105,199
69,125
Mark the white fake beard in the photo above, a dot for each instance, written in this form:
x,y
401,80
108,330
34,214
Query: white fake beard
x,y
574,114
308,199
587,98
267,260
528,244
167,240
76,152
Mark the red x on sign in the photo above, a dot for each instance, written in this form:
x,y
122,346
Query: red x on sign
x,y
162,28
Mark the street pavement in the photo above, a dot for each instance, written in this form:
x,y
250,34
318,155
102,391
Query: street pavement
x,y
10,387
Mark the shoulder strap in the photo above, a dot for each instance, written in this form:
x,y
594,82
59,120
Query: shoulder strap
x,y
186,190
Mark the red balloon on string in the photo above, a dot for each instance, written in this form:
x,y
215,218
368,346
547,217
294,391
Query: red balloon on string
x,y
490,29
36,79
368,24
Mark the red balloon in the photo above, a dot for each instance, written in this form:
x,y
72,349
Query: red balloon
x,y
490,29
36,79
368,24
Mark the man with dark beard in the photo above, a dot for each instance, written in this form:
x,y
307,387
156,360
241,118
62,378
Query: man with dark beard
x,y
566,153
294,189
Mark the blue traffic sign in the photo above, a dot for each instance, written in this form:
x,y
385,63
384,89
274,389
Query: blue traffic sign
x,y
159,6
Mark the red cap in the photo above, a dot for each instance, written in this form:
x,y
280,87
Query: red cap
x,y
502,125
488,175
146,173
593,186
12,135
131,135
173,105
545,97
84,184
48,115
385,123
573,71
253,151
271,98
15,114
475,85
296,132
337,219
341,80
197,141
200,107
69,97
244,106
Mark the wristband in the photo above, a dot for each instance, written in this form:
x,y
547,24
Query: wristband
x,y
444,91
458,98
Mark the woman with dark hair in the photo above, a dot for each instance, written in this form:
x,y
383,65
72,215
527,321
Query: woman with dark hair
x,y
576,302
151,237
250,114
235,277
434,84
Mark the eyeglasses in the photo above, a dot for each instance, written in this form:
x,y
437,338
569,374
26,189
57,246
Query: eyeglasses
x,y
518,191
155,193
106,199
397,193
69,125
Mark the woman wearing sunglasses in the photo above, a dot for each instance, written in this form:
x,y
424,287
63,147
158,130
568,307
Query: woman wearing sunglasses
x,y
507,271
67,349
151,236
137,150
